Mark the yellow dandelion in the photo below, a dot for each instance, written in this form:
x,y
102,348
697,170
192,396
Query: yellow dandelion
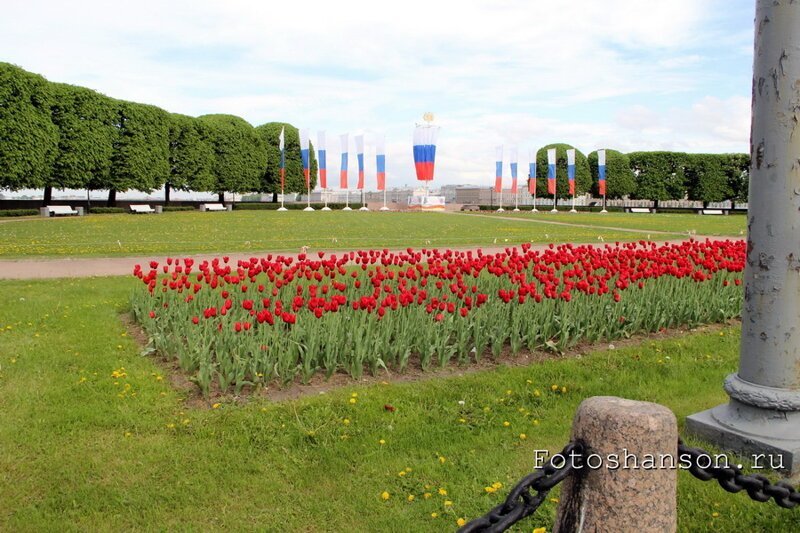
x,y
434,515
401,473
522,436
554,387
506,423
216,405
381,442
715,514
353,400
540,530
489,490
509,392
385,496
427,495
460,522
346,421
448,503
497,485
554,500
537,393
535,421
442,492
442,459
462,420
354,395
411,497
563,390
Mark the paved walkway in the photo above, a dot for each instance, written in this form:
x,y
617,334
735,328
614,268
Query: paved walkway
x,y
121,266
572,224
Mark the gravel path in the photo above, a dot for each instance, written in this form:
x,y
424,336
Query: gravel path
x,y
121,266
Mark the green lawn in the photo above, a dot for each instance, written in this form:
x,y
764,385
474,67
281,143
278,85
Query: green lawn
x,y
94,437
731,225
191,232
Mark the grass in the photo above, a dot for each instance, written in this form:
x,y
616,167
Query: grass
x,y
731,225
241,231
81,449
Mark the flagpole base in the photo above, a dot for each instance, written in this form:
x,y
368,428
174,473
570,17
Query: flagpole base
x,y
604,211
516,209
534,210
326,208
384,208
365,208
573,210
554,210
282,209
347,208
309,208
501,210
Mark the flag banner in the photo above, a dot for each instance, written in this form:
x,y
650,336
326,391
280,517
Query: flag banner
x,y
551,171
304,155
601,171
512,157
498,169
532,171
380,161
425,151
322,161
343,174
360,158
281,145
571,170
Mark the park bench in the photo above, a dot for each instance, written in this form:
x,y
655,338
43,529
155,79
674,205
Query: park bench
x,y
712,211
470,207
638,210
213,207
57,210
141,209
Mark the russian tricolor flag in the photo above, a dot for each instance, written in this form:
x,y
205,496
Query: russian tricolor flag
x,y
532,171
343,174
551,171
304,155
281,145
571,170
512,157
380,161
498,169
425,151
322,162
601,171
360,158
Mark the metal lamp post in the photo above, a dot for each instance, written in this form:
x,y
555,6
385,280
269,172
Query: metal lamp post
x,y
763,414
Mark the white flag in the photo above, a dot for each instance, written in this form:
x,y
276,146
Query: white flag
x,y
601,158
571,156
551,156
280,140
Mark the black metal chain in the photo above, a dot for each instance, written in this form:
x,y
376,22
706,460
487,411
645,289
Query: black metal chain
x,y
520,502
733,480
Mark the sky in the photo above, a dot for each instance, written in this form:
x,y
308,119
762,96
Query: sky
x,y
621,74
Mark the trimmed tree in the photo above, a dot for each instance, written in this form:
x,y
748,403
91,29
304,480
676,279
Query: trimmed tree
x,y
191,156
271,178
583,178
86,122
140,159
28,137
737,169
240,154
705,178
620,180
659,175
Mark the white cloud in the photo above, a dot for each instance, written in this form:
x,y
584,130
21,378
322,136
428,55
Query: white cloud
x,y
500,71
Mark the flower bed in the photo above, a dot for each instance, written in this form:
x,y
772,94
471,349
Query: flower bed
x,y
278,317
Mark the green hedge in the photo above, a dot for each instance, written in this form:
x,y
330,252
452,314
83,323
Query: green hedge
x,y
107,210
564,205
18,212
269,206
178,208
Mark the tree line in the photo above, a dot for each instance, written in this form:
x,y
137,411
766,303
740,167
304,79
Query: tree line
x,y
55,135
655,176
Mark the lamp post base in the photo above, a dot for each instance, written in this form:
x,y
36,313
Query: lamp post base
x,y
768,438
